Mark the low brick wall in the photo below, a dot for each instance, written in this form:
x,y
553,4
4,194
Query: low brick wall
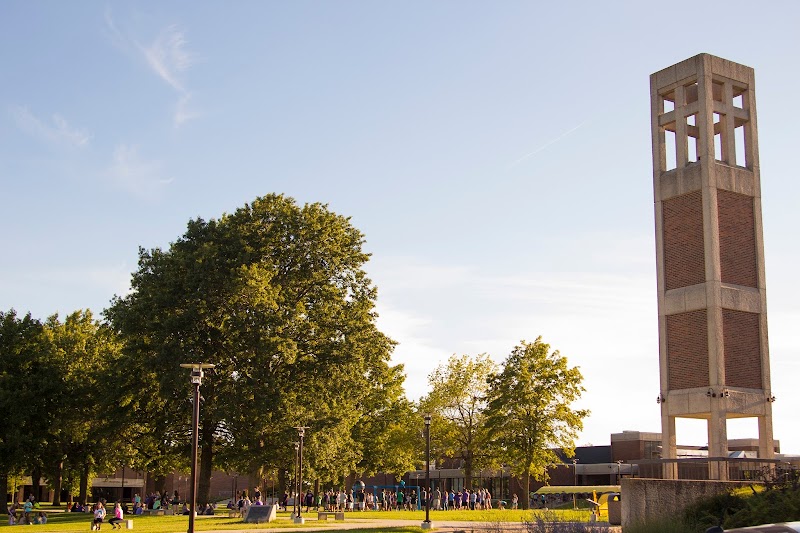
x,y
648,499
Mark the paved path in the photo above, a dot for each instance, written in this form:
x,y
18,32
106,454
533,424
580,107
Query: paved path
x,y
357,523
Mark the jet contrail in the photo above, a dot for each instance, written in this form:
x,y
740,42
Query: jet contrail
x,y
545,145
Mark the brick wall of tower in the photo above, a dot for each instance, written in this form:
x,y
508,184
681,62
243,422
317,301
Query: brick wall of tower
x,y
741,334
687,349
684,255
737,238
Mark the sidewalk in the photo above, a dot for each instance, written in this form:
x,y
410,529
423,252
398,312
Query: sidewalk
x,y
362,523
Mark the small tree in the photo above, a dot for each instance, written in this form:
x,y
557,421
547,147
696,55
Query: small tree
x,y
529,414
456,402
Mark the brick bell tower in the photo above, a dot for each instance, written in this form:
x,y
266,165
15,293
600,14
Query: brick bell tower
x,y
712,303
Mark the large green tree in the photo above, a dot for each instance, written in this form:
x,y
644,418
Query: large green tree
x,y
456,402
89,432
28,382
276,297
529,411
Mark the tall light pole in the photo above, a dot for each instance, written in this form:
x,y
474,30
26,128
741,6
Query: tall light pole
x,y
301,432
427,523
619,468
502,468
575,482
294,488
196,379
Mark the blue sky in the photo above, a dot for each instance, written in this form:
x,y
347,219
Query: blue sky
x,y
495,154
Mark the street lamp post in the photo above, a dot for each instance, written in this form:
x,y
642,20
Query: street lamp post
x,y
575,471
574,482
502,467
196,379
427,523
294,482
298,518
619,468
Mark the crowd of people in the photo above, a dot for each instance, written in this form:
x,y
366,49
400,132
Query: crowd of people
x,y
29,513
387,499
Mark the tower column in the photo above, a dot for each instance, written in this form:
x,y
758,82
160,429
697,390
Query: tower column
x,y
766,444
717,440
669,448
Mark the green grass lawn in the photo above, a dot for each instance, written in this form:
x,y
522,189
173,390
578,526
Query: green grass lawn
x,y
59,522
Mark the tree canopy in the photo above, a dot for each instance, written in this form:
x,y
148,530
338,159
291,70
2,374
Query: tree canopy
x,y
276,297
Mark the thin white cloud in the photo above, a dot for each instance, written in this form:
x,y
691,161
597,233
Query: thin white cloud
x,y
416,352
183,111
457,309
168,57
113,33
138,176
57,131
604,323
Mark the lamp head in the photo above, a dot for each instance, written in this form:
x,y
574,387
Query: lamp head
x,y
196,376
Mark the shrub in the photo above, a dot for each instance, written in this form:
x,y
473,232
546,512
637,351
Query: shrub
x,y
548,522
662,525
713,511
777,501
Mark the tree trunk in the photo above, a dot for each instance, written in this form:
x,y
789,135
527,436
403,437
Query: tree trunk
x,y
526,502
36,476
206,462
468,471
57,479
283,482
4,485
83,496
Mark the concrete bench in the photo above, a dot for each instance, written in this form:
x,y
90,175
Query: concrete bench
x,y
261,513
323,515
